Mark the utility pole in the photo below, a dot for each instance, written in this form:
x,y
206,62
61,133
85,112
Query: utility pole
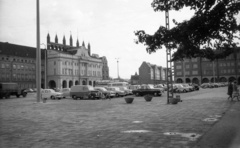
x,y
45,67
117,67
169,63
38,56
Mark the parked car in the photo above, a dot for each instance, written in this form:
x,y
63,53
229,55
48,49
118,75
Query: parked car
x,y
105,92
126,90
65,92
7,89
190,88
160,86
195,86
117,91
181,88
84,92
147,89
51,94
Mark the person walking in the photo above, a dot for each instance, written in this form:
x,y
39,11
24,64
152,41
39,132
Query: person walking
x,y
235,93
230,90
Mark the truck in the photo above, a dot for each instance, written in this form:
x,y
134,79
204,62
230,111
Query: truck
x,y
8,89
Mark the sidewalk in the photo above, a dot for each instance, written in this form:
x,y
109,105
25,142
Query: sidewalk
x,y
115,124
226,133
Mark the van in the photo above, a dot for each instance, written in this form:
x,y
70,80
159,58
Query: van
x,y
84,92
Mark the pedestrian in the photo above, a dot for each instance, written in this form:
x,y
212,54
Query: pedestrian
x,y
235,93
230,90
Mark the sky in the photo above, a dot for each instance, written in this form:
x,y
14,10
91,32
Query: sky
x,y
108,25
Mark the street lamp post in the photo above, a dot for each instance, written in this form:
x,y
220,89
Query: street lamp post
x,y
117,67
45,73
38,55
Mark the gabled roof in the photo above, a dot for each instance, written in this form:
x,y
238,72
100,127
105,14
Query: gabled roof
x,y
19,50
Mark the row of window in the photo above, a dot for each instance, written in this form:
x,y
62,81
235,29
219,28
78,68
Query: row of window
x,y
208,72
17,77
67,63
19,60
66,71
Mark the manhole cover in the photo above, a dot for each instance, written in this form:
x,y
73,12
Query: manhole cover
x,y
136,131
137,122
210,119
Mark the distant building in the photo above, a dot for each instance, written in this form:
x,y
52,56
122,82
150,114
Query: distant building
x,y
134,79
151,74
201,70
69,65
18,65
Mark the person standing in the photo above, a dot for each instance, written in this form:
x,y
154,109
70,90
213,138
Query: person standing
x,y
235,91
230,90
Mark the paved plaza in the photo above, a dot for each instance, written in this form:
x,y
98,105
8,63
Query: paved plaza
x,y
112,123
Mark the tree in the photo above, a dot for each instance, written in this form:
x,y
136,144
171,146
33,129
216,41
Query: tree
x,y
211,32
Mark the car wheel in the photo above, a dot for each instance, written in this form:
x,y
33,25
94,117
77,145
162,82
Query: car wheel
x,y
137,94
155,94
184,91
52,97
117,95
74,97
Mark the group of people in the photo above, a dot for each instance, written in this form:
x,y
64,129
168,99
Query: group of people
x,y
233,91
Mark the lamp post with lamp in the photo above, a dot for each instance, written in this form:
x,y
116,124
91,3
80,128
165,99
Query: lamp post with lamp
x,y
117,67
45,67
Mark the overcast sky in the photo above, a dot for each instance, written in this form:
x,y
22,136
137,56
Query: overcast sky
x,y
108,25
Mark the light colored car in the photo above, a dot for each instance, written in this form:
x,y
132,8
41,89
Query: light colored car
x,y
117,91
105,92
161,87
126,90
180,88
51,94
65,92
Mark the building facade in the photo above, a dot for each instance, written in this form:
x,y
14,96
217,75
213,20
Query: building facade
x,y
152,74
61,65
201,70
18,65
69,65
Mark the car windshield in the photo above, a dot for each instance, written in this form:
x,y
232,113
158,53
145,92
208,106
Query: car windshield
x,y
151,86
185,85
116,88
101,88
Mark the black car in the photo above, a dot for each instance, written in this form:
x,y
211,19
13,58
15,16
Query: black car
x,y
147,89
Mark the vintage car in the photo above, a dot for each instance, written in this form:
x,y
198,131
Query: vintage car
x,y
65,92
84,92
147,89
119,93
51,94
105,92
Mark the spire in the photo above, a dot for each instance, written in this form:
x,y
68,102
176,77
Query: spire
x,y
64,40
48,38
71,40
89,49
83,44
77,43
56,39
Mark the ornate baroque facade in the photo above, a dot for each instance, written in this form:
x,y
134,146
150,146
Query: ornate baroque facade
x,y
69,65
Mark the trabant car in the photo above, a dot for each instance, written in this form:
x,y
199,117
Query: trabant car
x,y
119,93
51,94
84,92
65,92
105,92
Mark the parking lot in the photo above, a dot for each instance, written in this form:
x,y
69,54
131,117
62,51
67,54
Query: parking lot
x,y
111,123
